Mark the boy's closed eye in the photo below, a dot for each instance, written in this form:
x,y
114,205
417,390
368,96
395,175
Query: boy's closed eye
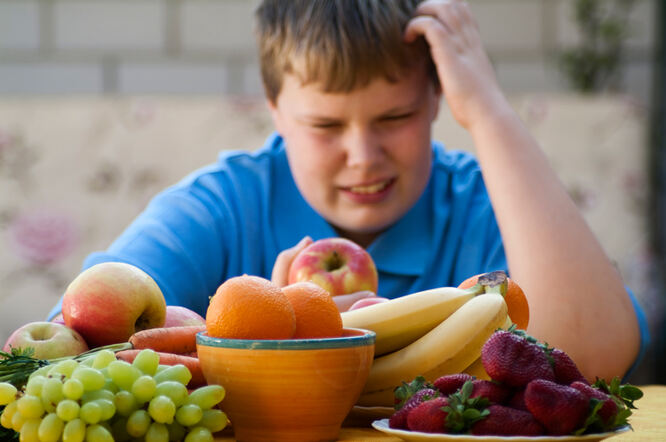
x,y
329,125
397,117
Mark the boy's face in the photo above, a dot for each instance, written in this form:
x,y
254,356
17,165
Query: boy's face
x,y
360,159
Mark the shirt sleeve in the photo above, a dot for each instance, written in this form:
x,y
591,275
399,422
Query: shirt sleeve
x,y
644,334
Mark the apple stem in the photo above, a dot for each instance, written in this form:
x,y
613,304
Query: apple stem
x,y
334,263
17,365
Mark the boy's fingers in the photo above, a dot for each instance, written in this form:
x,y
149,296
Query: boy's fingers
x,y
428,27
451,15
280,273
345,301
444,11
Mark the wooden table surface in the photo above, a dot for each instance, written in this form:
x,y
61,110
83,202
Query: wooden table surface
x,y
648,422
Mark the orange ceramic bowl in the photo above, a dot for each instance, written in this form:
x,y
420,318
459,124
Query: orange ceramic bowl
x,y
288,390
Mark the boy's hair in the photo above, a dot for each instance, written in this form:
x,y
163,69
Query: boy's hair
x,y
340,44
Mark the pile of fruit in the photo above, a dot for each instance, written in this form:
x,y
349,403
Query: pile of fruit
x,y
118,362
107,369
533,390
104,399
435,332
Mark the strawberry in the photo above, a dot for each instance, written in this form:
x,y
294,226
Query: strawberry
x,y
517,400
602,416
450,383
565,368
399,418
453,414
608,409
559,408
495,393
403,392
428,416
515,359
506,421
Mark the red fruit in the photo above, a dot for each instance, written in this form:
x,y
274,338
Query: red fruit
x,y
559,408
565,368
405,391
494,392
505,421
608,410
428,416
515,361
450,383
517,400
399,418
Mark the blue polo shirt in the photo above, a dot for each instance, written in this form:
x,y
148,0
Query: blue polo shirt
x,y
235,216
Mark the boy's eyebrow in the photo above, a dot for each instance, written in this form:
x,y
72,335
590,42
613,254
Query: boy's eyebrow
x,y
401,109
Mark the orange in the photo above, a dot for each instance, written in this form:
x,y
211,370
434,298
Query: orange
x,y
519,310
317,316
250,307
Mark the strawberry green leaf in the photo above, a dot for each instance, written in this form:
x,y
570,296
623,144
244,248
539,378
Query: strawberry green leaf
x,y
621,418
463,411
626,393
629,394
403,392
593,419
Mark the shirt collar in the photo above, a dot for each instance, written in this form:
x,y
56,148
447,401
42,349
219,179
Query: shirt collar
x,y
403,249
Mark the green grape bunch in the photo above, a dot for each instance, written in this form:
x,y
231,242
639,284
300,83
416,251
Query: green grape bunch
x,y
103,399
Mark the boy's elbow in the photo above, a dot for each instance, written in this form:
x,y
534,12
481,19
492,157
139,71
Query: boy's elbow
x,y
614,355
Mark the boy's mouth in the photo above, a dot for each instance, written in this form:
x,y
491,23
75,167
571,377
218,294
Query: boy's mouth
x,y
371,193
371,188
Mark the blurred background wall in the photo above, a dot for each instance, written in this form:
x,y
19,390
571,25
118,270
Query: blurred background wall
x,y
105,102
207,47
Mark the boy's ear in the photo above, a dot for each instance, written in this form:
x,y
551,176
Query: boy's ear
x,y
275,115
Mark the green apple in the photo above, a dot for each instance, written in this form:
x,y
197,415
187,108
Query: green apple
x,y
50,340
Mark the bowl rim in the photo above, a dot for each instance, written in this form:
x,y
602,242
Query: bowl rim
x,y
365,337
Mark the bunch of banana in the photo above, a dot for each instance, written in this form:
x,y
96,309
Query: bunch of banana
x,y
429,333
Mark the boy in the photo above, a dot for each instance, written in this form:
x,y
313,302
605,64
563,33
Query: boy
x,y
353,88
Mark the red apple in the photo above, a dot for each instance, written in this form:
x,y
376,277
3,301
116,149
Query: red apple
x,y
50,340
177,316
110,301
339,265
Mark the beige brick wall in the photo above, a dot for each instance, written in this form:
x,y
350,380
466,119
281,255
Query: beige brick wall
x,y
207,47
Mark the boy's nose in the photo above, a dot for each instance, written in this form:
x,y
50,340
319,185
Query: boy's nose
x,y
363,148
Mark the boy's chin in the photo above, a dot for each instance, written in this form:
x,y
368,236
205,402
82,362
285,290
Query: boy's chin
x,y
362,233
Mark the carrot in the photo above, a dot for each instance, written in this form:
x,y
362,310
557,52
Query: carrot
x,y
192,364
179,340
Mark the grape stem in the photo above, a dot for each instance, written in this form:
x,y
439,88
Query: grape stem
x,y
17,365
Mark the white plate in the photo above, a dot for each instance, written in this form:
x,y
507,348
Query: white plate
x,y
415,436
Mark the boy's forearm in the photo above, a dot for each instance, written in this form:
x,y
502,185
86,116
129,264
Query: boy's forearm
x,y
577,298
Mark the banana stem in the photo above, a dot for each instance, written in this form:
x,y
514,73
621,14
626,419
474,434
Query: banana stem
x,y
493,282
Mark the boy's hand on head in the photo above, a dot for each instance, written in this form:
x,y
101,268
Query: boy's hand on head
x,y
280,275
465,73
